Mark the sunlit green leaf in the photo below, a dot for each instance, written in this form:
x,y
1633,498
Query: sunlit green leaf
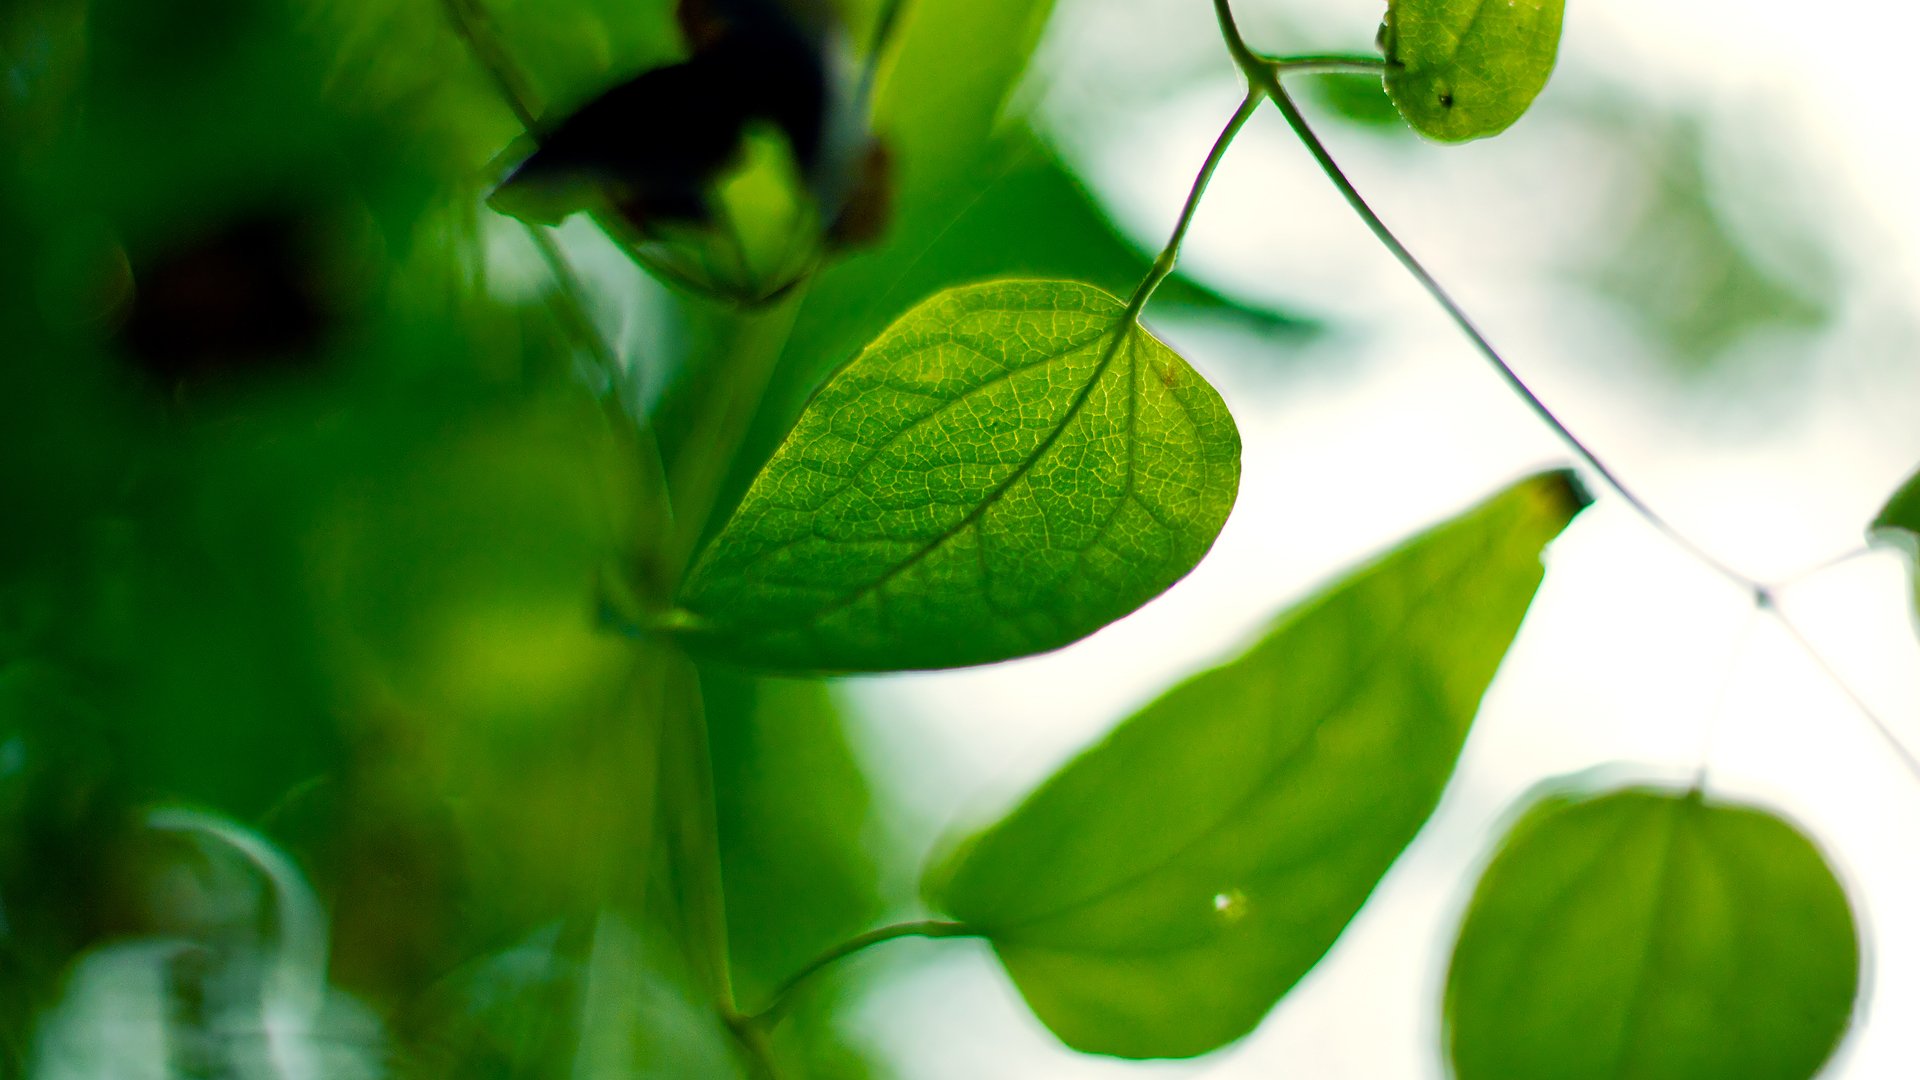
x,y
1653,935
1029,216
1008,468
1463,69
1158,895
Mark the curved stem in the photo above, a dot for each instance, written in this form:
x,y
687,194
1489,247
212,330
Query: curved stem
x,y
470,21
884,24
1264,75
1323,64
1808,573
1163,263
1505,370
782,997
1833,675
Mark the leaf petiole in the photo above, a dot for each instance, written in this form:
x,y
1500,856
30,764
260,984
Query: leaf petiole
x,y
1163,263
782,997
1263,75
1323,64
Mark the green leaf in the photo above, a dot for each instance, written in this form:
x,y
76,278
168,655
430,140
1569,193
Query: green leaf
x,y
1899,520
1654,935
1159,894
600,996
940,96
1008,468
1464,69
798,853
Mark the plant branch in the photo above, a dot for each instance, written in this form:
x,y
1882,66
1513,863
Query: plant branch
x,y
1264,76
1163,263
884,25
1512,378
723,420
782,997
1323,64
471,22
1833,675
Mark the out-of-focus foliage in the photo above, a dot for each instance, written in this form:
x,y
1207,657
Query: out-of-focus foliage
x,y
1652,934
802,853
1159,894
1678,269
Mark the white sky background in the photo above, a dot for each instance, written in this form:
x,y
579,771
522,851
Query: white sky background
x,y
1632,651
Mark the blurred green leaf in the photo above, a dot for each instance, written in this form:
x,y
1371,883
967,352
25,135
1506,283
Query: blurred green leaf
x,y
1898,524
1900,518
941,93
1681,271
800,850
1358,99
796,825
603,998
1651,934
1007,469
1464,69
1159,894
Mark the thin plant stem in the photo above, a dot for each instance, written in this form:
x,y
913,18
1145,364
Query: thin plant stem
x,y
1163,263
475,27
570,303
723,422
1263,74
782,997
1833,675
884,25
471,22
1324,64
1808,573
1461,319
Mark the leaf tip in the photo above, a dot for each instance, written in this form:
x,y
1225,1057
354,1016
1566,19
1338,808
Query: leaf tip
x,y
1563,493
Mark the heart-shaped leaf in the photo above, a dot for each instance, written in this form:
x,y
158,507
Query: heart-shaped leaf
x,y
1006,469
1652,935
1160,893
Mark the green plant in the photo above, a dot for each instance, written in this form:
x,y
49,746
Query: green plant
x,y
514,604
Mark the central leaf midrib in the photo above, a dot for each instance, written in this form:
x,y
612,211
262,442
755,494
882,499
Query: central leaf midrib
x,y
1625,1042
1254,791
1120,334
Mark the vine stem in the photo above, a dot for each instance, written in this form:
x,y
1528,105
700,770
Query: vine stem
x,y
471,22
472,25
1163,263
782,997
1263,76
1323,64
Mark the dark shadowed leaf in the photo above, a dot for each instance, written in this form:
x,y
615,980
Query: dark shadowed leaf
x,y
1008,468
1653,935
1463,69
1159,894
